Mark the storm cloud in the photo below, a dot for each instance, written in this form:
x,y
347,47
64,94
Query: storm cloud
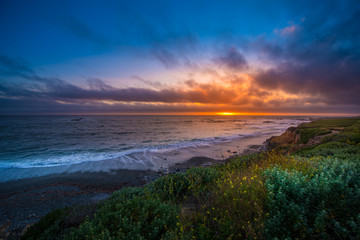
x,y
318,58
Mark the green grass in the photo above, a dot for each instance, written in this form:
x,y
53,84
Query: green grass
x,y
307,133
332,123
312,194
339,150
349,128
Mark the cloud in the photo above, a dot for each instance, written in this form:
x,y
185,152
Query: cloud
x,y
233,60
82,30
168,58
174,50
59,90
51,95
54,89
320,59
9,66
153,84
308,66
287,31
50,106
98,84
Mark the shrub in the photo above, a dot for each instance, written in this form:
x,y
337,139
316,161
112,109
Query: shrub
x,y
339,150
322,205
176,187
59,222
37,230
235,207
242,162
130,214
346,137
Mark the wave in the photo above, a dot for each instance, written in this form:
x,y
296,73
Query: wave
x,y
115,150
126,155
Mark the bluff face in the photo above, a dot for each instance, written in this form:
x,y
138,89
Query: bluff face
x,y
289,137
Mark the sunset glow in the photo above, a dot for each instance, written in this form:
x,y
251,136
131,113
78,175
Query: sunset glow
x,y
227,113
156,64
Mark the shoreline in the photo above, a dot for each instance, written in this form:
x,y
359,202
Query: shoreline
x,y
24,201
156,161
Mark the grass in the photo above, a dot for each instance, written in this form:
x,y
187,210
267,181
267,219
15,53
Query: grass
x,y
312,194
349,128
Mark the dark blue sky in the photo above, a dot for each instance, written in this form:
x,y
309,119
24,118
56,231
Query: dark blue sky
x,y
110,57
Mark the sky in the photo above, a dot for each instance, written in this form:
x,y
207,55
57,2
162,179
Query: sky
x,y
179,57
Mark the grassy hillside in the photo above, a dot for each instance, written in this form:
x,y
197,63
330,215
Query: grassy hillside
x,y
313,193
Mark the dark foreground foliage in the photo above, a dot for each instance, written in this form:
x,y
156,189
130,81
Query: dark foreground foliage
x,y
312,194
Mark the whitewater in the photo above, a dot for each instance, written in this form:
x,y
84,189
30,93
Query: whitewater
x,y
32,146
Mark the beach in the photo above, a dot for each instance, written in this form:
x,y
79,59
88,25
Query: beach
x,y
28,193
25,201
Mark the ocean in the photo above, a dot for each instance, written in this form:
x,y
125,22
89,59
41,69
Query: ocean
x,y
32,146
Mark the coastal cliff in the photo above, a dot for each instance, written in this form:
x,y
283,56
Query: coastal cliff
x,y
290,137
307,135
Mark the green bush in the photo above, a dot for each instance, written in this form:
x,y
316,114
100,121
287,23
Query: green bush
x,y
233,210
241,162
322,205
339,150
59,222
130,214
346,137
41,228
193,182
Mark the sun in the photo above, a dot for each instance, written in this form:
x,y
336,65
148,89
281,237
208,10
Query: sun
x,y
226,113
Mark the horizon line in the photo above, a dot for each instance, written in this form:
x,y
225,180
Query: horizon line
x,y
187,114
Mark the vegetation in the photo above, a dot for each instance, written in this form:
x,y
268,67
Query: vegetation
x,y
312,194
349,127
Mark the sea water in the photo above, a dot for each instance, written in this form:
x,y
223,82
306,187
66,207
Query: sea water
x,y
32,146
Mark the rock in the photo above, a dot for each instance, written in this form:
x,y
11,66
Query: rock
x,y
26,228
287,138
3,229
76,119
99,197
206,164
